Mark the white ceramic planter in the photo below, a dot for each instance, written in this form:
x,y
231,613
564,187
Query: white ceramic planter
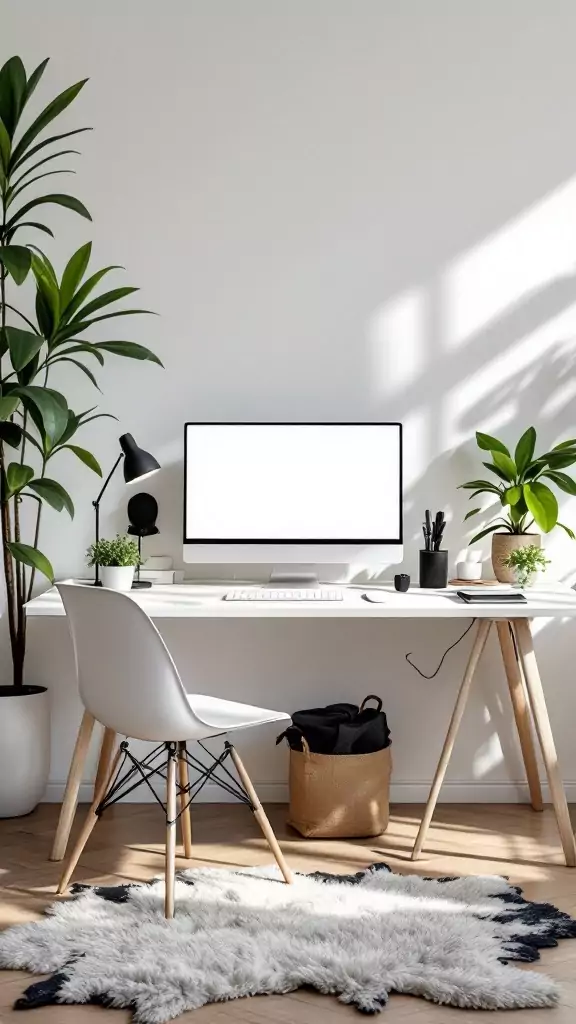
x,y
117,577
24,748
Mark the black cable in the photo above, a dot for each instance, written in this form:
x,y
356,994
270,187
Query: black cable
x,y
447,651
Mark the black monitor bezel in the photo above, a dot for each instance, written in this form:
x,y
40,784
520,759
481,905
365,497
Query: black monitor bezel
x,y
359,542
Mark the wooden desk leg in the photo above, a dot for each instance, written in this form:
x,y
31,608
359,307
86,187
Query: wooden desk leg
x,y
521,711
545,737
107,748
478,646
70,800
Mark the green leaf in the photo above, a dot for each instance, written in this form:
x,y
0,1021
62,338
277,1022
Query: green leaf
x,y
472,512
51,406
17,259
44,314
490,444
129,349
484,533
497,471
525,449
88,372
568,530
32,557
73,273
542,504
72,424
103,300
84,292
11,433
33,224
58,199
63,100
505,464
12,91
567,458
565,444
484,484
23,345
76,327
53,492
34,79
45,160
86,457
41,145
8,405
13,192
5,147
17,476
513,495
87,349
563,481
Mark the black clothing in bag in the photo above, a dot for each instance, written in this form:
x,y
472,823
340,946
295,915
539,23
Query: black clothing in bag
x,y
340,729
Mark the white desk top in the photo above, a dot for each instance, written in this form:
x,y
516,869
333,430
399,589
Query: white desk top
x,y
188,600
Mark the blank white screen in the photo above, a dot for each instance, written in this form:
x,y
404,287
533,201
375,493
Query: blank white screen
x,y
291,482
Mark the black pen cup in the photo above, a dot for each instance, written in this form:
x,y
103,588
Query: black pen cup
x,y
434,569
401,582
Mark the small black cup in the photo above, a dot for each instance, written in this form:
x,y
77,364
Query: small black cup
x,y
434,569
401,582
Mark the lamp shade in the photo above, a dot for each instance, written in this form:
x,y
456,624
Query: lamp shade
x,y
137,462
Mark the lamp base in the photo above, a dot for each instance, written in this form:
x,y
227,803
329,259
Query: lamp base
x,y
141,584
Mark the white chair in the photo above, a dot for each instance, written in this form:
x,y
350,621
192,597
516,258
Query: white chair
x,y
129,682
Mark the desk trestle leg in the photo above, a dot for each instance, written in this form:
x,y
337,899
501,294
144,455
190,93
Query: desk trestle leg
x,y
483,628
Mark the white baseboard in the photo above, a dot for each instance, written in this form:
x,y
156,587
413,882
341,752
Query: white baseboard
x,y
400,793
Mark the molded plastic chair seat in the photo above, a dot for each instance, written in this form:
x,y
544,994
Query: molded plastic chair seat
x,y
228,715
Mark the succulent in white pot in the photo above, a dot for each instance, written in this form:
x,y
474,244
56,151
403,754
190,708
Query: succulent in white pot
x,y
37,427
117,559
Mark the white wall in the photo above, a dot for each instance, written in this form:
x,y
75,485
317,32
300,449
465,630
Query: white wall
x,y
340,209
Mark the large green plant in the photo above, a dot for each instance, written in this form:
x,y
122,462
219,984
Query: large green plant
x,y
36,422
519,486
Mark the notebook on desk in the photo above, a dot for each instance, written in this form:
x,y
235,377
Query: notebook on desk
x,y
491,597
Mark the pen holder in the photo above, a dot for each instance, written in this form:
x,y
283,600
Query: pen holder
x,y
433,569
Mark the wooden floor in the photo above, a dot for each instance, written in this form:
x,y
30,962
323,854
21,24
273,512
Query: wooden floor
x,y
127,844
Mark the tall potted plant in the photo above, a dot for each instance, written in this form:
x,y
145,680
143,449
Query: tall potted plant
x,y
37,424
521,491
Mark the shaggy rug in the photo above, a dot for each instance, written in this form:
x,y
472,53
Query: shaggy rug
x,y
240,933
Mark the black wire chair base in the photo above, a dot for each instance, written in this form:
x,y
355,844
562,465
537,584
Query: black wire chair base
x,y
132,773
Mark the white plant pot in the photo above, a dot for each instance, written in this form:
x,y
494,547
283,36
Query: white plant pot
x,y
24,748
117,577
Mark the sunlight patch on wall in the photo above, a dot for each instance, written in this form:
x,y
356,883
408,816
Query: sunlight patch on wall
x,y
515,264
397,342
487,757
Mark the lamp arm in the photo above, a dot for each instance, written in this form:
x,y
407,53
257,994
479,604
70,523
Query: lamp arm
x,y
96,505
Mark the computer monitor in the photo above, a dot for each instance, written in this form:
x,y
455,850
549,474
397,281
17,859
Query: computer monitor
x,y
293,493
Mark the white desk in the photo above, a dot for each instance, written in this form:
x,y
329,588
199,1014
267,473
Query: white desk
x,y
512,624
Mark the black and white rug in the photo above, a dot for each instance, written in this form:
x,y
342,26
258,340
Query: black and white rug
x,y
241,933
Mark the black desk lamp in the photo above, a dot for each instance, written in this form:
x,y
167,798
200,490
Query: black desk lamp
x,y
137,465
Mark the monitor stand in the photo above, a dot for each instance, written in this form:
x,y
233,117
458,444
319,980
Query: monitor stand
x,y
293,575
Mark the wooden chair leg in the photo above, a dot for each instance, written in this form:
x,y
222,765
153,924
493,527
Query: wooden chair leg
x,y
260,816
461,700
170,868
89,823
70,800
106,750
545,737
185,819
521,712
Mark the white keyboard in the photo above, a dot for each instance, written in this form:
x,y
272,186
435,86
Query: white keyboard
x,y
277,594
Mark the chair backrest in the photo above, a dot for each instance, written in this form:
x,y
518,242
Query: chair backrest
x,y
126,675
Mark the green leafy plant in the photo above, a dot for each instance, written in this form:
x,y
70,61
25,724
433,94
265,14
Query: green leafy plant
x,y
121,551
526,562
519,485
36,421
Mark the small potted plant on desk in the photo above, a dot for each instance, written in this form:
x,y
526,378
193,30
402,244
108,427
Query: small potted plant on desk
x,y
520,490
117,560
525,563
